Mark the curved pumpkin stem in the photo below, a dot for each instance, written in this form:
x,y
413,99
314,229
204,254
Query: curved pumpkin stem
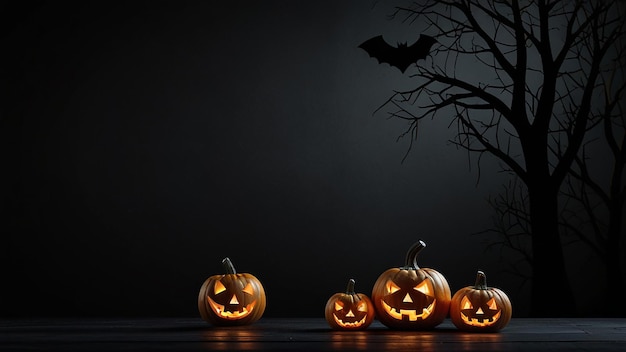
x,y
350,288
228,266
481,281
411,255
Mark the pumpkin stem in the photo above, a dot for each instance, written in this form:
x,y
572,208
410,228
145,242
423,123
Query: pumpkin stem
x,y
350,288
411,255
228,266
481,281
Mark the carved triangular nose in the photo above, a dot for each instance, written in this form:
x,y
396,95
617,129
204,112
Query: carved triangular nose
x,y
480,311
350,314
234,300
407,299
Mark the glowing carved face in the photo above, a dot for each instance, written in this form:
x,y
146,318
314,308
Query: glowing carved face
x,y
480,308
349,310
410,300
231,298
410,297
479,313
350,315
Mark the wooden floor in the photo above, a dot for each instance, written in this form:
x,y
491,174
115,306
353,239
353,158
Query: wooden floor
x,y
272,334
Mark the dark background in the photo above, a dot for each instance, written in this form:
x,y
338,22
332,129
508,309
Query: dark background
x,y
144,141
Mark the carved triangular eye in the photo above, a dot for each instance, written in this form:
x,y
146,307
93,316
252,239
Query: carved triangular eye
x,y
466,304
362,307
219,287
492,304
248,289
392,287
338,305
424,288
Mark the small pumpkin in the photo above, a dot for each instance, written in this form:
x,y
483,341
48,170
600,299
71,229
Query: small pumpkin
x,y
349,310
232,298
480,308
410,297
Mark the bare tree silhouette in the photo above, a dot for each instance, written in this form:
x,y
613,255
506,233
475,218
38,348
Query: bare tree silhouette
x,y
595,215
531,103
592,204
592,208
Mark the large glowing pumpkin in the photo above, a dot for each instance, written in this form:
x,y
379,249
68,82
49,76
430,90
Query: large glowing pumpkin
x,y
480,308
232,298
411,297
349,310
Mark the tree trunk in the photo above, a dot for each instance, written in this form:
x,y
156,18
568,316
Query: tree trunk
x,y
551,293
615,275
615,281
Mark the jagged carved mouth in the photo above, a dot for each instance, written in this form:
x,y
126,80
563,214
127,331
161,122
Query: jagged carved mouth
x,y
347,324
237,314
411,314
486,321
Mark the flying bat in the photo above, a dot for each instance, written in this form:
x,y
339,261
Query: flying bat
x,y
402,56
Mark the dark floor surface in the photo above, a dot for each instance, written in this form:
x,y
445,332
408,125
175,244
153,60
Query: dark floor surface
x,y
273,334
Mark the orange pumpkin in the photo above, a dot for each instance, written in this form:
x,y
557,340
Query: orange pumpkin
x,y
349,310
480,308
410,297
231,299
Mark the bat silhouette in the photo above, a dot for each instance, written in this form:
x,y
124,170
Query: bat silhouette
x,y
402,56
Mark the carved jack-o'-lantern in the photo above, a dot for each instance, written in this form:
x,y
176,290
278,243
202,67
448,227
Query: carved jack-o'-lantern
x,y
349,310
480,308
411,297
231,299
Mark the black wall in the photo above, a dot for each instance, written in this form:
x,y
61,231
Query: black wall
x,y
145,141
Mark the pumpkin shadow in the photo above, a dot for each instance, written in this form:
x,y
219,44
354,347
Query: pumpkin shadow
x,y
198,328
383,330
